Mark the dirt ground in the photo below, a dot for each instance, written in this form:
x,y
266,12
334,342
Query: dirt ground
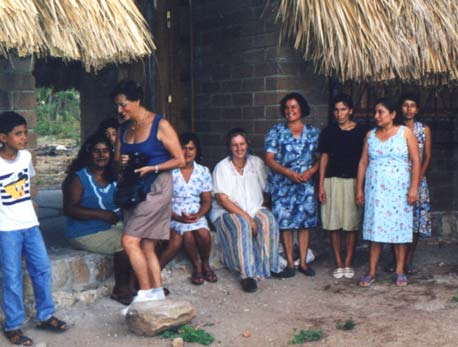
x,y
50,163
421,314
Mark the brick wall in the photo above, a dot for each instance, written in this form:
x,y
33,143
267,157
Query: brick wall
x,y
17,93
242,73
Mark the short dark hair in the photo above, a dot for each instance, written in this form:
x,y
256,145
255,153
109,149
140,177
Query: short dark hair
x,y
409,96
391,105
131,89
343,98
305,109
9,120
233,133
187,137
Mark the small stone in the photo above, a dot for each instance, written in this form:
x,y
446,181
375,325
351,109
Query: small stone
x,y
246,333
152,317
178,342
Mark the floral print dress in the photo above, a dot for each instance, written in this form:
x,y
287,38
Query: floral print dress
x,y
186,197
421,215
388,217
294,205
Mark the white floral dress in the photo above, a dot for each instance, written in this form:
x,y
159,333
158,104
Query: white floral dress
x,y
186,196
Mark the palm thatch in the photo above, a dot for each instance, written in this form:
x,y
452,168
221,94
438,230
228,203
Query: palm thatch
x,y
376,40
96,32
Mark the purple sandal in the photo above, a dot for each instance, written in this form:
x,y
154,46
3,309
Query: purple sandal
x,y
401,280
366,280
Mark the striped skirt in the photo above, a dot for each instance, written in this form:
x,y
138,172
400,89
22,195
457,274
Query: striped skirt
x,y
252,256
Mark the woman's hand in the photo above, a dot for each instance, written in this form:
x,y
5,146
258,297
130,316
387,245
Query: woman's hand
x,y
322,195
124,159
359,198
412,196
109,217
306,175
294,176
144,170
253,226
190,218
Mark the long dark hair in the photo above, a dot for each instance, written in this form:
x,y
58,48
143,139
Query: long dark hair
x,y
83,159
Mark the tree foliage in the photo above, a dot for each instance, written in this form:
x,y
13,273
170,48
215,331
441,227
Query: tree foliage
x,y
58,113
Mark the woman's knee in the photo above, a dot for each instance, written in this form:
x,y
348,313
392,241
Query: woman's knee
x,y
130,243
175,241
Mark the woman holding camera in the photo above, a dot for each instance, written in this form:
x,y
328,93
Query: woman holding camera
x,y
149,134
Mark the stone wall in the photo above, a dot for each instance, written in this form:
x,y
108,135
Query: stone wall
x,y
242,73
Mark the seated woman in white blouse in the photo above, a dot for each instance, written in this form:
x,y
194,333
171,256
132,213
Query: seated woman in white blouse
x,y
247,231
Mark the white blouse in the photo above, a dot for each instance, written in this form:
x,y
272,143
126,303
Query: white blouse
x,y
245,189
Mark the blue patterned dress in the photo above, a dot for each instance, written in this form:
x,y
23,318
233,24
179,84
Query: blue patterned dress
x,y
294,205
388,217
421,215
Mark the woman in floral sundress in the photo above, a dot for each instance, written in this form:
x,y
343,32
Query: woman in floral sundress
x,y
390,188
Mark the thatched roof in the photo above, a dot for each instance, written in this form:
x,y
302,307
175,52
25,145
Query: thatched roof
x,y
96,32
376,40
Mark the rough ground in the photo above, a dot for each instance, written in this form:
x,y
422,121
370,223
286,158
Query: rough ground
x,y
421,314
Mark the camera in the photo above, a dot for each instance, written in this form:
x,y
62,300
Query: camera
x,y
136,161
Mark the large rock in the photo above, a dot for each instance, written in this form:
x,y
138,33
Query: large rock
x,y
152,317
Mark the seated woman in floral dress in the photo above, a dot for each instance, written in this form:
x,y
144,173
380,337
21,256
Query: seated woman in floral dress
x,y
191,200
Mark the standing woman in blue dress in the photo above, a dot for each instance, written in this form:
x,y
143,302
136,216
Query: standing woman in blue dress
x,y
390,188
421,216
291,153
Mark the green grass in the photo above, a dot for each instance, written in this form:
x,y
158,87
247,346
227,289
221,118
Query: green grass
x,y
305,336
189,334
349,324
455,298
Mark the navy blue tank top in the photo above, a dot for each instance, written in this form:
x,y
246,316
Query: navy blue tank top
x,y
152,148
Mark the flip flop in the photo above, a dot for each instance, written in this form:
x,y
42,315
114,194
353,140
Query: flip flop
x,y
210,276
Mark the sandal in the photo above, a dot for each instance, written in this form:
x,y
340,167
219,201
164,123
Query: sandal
x,y
52,324
410,269
307,272
197,278
17,337
366,280
210,276
401,280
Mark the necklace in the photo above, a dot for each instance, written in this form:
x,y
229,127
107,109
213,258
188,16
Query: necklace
x,y
239,168
140,122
